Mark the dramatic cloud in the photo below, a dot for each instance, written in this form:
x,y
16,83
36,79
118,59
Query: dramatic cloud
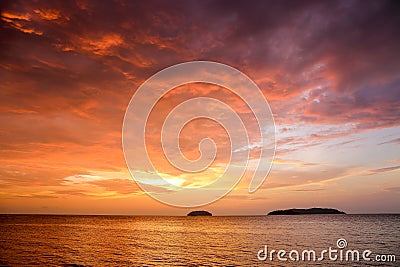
x,y
329,69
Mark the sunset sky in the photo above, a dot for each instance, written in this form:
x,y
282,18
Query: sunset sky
x,y
330,71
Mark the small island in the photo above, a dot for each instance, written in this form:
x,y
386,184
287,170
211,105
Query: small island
x,y
306,211
199,213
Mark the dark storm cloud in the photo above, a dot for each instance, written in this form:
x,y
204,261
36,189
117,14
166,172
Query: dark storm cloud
x,y
344,49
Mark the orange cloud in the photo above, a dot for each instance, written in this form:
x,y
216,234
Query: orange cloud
x,y
48,14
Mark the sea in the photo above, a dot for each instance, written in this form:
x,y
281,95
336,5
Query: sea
x,y
281,240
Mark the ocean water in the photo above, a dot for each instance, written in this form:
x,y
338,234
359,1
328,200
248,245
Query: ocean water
x,y
48,240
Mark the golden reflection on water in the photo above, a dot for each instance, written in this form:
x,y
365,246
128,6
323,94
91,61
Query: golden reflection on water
x,y
186,241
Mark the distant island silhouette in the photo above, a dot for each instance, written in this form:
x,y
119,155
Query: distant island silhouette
x,y
199,213
306,211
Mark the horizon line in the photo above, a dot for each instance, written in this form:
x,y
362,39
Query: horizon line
x,y
159,215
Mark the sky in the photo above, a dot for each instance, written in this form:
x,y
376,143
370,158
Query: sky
x,y
329,69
